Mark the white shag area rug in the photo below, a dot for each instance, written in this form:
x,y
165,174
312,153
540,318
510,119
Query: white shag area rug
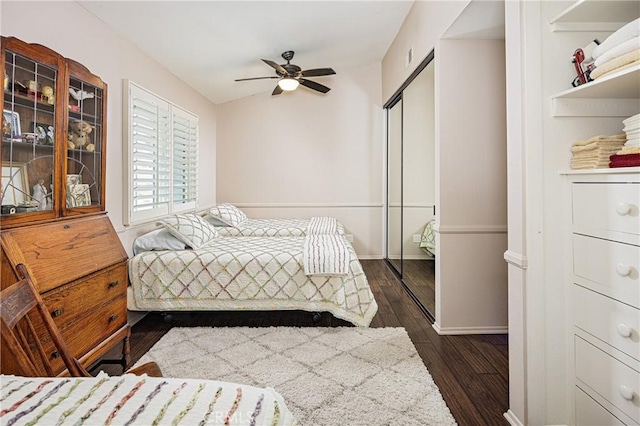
x,y
327,376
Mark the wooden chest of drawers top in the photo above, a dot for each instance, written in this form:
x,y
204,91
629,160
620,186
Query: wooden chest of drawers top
x,y
63,251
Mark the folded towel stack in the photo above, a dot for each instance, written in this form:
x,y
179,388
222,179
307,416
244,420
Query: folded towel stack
x,y
629,155
619,51
595,153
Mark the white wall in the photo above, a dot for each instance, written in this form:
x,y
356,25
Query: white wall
x,y
425,23
303,154
73,32
471,187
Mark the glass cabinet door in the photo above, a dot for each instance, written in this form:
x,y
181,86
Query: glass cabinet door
x,y
28,136
85,140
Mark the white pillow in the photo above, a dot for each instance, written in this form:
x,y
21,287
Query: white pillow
x,y
189,228
158,239
228,213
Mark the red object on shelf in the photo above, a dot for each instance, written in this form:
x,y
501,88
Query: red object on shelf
x,y
74,108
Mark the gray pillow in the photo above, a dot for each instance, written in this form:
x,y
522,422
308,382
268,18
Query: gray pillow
x,y
215,221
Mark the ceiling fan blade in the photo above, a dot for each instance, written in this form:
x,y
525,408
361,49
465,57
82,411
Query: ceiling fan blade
x,y
275,66
276,91
254,78
313,85
317,72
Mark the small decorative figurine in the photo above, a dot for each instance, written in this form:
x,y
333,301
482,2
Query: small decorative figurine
x,y
40,195
47,93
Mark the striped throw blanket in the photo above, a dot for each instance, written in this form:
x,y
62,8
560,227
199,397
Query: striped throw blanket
x,y
325,255
321,225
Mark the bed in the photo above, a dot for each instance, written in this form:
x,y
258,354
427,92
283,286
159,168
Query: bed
x,y
137,400
230,221
248,273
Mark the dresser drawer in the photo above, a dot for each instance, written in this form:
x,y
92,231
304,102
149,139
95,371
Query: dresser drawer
x,y
61,252
590,413
610,378
606,206
614,266
90,331
67,303
615,323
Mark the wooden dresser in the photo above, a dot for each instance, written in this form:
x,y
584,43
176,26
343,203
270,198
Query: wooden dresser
x,y
80,268
605,241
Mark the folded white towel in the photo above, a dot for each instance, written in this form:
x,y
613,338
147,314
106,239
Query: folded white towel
x,y
629,31
325,255
626,47
617,70
322,225
616,64
634,119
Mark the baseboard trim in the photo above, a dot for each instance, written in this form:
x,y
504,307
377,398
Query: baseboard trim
x,y
443,331
474,229
512,418
370,257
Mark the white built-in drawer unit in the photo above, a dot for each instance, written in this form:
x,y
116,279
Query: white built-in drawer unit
x,y
608,377
605,265
590,413
619,328
607,209
608,267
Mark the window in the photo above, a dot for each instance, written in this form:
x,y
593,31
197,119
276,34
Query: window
x,y
162,155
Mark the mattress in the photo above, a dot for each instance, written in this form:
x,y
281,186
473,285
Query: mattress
x,y
247,273
270,228
137,400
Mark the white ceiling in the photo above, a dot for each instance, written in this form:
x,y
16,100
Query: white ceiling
x,y
208,44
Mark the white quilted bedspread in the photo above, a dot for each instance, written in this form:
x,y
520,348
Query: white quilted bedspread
x,y
270,228
250,273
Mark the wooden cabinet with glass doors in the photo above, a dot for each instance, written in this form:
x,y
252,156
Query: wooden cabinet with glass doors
x,y
53,219
53,133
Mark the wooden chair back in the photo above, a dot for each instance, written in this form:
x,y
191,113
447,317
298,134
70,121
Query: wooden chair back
x,y
20,306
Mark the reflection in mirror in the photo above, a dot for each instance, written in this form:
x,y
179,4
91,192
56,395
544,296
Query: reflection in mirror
x,y
411,183
418,189
394,195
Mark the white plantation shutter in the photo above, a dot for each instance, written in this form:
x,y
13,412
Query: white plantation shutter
x,y
185,159
162,157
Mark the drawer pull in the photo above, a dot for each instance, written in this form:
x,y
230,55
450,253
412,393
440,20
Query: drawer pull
x,y
623,209
622,269
626,392
624,330
57,312
113,317
112,284
55,355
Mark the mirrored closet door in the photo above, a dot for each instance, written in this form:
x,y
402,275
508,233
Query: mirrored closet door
x,y
411,185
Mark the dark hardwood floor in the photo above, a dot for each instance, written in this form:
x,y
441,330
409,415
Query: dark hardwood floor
x,y
471,371
420,277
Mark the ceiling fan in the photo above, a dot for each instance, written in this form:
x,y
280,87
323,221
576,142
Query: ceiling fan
x,y
290,75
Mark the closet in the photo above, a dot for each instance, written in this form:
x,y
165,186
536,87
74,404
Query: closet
x,y
411,184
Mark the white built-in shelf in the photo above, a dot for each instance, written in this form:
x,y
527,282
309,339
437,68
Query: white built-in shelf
x,y
616,95
607,171
596,15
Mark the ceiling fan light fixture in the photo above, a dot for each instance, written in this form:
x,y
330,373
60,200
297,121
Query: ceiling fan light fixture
x,y
288,84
